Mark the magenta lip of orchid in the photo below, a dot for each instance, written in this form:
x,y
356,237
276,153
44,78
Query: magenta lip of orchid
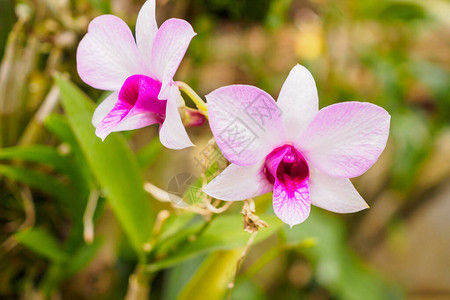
x,y
304,155
139,72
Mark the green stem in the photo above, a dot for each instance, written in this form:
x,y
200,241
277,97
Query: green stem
x,y
139,285
198,101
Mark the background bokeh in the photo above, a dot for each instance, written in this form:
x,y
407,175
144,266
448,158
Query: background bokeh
x,y
392,53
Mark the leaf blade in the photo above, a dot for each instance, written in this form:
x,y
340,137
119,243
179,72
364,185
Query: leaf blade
x,y
112,164
42,243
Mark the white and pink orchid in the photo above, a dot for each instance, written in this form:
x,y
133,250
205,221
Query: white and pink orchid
x,y
303,154
140,73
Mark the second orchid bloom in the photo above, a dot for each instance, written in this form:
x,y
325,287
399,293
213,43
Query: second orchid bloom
x,y
303,154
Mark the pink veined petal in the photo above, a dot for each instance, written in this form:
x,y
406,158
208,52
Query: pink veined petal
x,y
172,133
104,108
136,121
107,55
246,123
288,170
137,106
334,194
346,139
112,119
298,101
169,46
146,29
239,183
291,203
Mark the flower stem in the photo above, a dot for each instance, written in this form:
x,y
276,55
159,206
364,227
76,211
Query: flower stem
x,y
201,105
138,285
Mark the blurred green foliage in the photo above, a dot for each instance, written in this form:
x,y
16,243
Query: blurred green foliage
x,y
75,219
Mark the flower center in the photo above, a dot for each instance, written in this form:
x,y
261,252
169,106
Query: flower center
x,y
140,92
286,164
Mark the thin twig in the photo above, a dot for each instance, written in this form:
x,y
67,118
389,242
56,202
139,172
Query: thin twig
x,y
88,217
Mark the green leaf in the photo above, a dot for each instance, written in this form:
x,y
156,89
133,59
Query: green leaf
x,y
210,282
66,195
6,23
42,243
58,125
113,165
336,264
177,277
224,233
82,257
149,153
44,155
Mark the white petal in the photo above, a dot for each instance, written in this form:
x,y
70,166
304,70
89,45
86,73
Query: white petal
x,y
169,46
107,55
334,194
239,183
298,101
246,123
346,139
104,108
172,134
136,121
146,29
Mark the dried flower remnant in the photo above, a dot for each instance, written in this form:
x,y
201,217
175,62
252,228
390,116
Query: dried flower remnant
x,y
140,73
252,223
303,154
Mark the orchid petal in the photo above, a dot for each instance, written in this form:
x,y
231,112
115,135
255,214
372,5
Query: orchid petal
x,y
239,183
292,205
104,108
346,139
137,120
298,101
122,117
112,119
291,201
169,46
246,123
146,29
334,194
137,106
172,134
107,55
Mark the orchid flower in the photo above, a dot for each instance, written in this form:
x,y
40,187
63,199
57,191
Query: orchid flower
x,y
140,73
303,154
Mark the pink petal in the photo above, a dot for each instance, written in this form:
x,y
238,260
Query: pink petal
x,y
170,45
346,139
172,134
136,121
137,106
288,170
146,29
112,119
298,101
104,108
291,203
107,54
246,123
334,194
239,183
